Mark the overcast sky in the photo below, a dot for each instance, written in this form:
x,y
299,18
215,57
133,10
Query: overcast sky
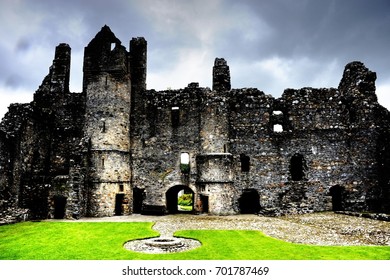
x,y
270,45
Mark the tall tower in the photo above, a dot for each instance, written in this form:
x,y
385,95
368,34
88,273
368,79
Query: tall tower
x,y
215,163
107,123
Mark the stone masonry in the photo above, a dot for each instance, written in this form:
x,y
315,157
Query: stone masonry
x,y
117,148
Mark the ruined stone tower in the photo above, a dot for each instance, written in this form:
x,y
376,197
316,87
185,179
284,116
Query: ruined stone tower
x,y
214,162
107,124
118,148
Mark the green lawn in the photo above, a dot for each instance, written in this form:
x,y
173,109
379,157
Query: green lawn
x,y
101,241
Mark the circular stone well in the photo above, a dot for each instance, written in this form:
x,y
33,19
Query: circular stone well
x,y
164,243
161,245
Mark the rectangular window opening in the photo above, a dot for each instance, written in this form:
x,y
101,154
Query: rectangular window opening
x,y
185,162
175,116
245,163
278,128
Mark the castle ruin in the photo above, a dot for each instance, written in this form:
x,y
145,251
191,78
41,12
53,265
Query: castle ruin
x,y
117,148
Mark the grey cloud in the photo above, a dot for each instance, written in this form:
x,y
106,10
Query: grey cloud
x,y
316,35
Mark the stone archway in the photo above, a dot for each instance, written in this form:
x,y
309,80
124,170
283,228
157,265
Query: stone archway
x,y
172,199
249,202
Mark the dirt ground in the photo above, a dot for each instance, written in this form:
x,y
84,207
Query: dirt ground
x,y
317,228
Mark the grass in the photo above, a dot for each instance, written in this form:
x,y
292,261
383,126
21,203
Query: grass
x,y
103,241
185,208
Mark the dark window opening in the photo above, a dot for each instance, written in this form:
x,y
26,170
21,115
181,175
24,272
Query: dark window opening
x,y
152,120
175,116
352,116
249,202
102,126
102,162
201,187
36,157
121,188
245,163
297,167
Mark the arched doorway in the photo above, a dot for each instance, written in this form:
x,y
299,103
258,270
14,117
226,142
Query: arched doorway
x,y
249,202
172,199
337,197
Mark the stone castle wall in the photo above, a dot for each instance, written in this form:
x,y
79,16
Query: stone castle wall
x,y
117,148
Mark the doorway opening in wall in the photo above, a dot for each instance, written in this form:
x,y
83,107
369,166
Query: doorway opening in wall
x,y
337,197
138,200
204,204
180,199
119,197
249,202
59,206
297,167
245,163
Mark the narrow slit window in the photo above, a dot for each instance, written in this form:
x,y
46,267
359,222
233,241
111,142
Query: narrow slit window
x,y
102,125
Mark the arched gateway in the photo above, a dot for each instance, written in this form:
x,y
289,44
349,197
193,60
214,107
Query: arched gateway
x,y
172,199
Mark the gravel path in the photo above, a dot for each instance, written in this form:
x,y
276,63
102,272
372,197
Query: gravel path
x,y
318,228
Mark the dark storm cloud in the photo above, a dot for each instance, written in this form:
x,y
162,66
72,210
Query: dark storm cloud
x,y
268,44
307,43
323,27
